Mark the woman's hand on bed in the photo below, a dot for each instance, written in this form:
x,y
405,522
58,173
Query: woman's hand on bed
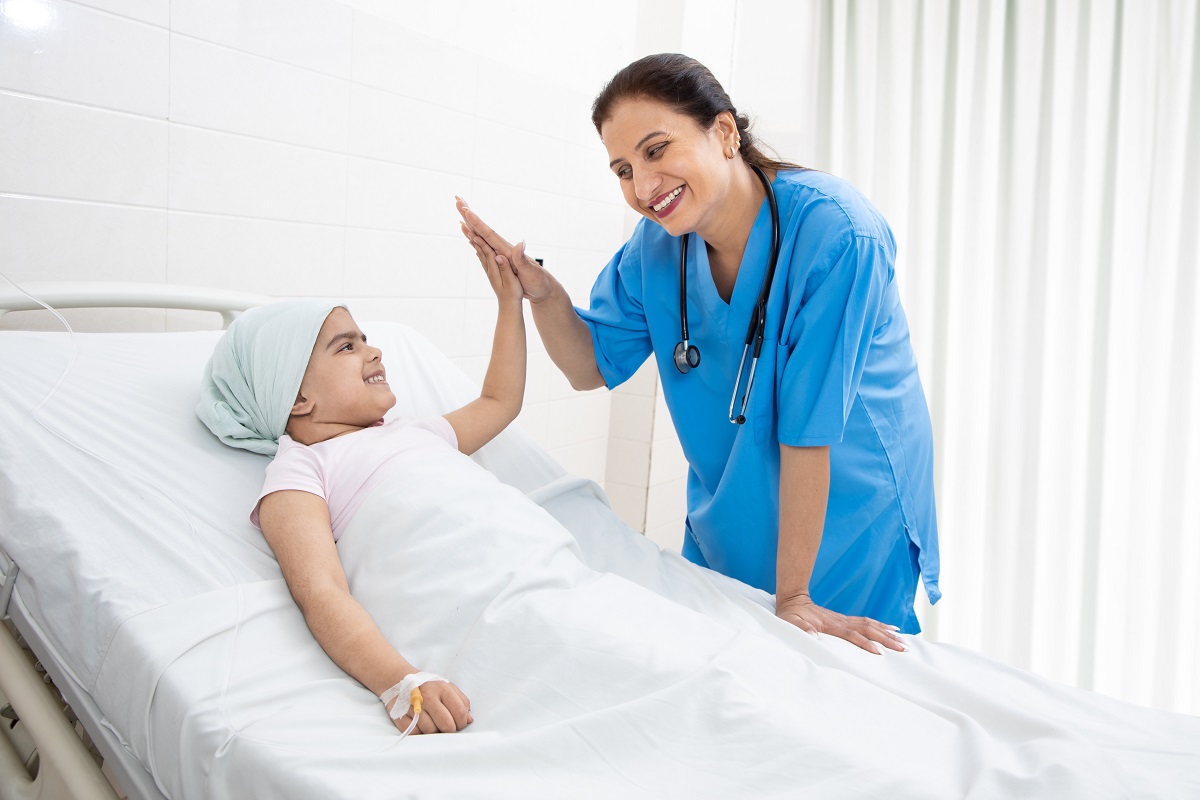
x,y
536,282
445,709
865,632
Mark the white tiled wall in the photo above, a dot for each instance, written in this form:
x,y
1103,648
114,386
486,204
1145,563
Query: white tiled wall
x,y
311,147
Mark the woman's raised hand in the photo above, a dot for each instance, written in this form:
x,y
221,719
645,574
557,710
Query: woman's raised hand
x,y
492,248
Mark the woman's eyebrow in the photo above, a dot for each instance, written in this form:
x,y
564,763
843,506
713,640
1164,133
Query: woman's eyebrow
x,y
638,146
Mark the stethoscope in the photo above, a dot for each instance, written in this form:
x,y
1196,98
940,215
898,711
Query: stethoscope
x,y
687,355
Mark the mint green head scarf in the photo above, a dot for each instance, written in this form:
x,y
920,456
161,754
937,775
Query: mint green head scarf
x,y
253,377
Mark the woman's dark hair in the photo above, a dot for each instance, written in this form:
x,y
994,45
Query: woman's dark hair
x,y
687,86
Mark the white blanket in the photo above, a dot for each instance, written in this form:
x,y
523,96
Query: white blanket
x,y
659,680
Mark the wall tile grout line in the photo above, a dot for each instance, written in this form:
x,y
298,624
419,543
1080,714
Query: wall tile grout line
x,y
110,13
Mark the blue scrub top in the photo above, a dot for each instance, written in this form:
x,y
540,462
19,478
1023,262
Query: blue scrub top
x,y
844,375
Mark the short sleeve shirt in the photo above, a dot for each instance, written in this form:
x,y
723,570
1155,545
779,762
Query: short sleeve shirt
x,y
343,470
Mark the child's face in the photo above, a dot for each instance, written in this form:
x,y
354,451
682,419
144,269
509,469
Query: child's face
x,y
345,382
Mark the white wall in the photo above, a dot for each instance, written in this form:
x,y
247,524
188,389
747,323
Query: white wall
x,y
309,147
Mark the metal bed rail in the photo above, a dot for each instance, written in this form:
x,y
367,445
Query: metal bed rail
x,y
129,295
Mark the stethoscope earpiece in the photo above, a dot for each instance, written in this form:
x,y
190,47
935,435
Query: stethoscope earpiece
x,y
687,355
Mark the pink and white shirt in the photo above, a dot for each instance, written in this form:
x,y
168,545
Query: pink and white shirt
x,y
345,469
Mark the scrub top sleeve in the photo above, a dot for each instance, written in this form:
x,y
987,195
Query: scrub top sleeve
x,y
830,332
616,318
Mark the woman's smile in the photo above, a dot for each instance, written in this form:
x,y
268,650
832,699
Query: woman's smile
x,y
664,204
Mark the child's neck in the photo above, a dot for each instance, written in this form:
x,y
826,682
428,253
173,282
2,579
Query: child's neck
x,y
309,433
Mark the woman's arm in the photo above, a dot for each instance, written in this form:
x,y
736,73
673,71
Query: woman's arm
x,y
803,496
297,527
567,338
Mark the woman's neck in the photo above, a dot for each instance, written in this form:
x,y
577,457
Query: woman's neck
x,y
726,238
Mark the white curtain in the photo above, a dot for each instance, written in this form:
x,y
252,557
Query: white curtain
x,y
1039,161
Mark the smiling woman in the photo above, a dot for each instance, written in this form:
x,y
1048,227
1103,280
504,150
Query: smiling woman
x,y
822,489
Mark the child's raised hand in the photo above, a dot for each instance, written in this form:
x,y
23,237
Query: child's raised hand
x,y
445,709
536,282
498,268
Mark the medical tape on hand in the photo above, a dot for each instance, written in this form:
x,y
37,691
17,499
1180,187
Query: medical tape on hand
x,y
408,687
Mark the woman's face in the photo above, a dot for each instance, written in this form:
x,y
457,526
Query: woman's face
x,y
671,170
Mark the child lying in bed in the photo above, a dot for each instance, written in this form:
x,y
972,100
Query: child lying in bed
x,y
321,395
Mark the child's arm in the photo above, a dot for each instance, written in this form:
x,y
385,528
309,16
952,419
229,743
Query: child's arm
x,y
296,526
478,422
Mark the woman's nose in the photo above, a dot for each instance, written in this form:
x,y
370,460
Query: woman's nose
x,y
646,185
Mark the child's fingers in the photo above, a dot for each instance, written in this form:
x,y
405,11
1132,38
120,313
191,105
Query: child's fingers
x,y
465,703
507,282
459,707
485,250
426,723
448,708
440,717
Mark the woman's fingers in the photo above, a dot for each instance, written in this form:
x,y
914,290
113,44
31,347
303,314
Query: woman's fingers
x,y
871,635
481,228
857,638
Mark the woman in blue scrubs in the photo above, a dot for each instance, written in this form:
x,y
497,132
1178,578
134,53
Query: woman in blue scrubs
x,y
824,496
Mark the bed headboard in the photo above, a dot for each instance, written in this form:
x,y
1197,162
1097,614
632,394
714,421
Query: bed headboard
x,y
129,295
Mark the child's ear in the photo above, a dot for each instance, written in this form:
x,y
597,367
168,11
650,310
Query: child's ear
x,y
302,407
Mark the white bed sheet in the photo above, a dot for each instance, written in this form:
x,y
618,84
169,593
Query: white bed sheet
x,y
141,599
155,510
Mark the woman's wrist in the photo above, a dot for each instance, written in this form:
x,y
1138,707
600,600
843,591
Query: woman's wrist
x,y
791,595
550,295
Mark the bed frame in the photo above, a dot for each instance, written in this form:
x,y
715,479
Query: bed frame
x,y
66,766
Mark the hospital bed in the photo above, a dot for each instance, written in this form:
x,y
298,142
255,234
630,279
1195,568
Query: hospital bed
x,y
158,611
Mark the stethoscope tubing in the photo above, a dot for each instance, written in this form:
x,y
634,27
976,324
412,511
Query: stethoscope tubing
x,y
687,355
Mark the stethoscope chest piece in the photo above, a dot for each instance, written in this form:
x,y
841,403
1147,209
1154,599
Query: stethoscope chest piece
x,y
687,356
